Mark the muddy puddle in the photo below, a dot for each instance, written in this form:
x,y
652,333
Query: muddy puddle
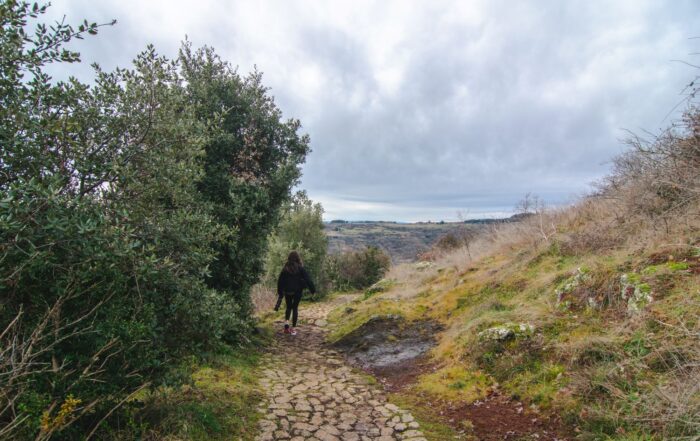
x,y
388,342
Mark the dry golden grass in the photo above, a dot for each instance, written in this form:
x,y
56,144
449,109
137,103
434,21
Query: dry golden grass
x,y
263,298
510,275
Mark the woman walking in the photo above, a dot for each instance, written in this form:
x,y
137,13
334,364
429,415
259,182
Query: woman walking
x,y
290,284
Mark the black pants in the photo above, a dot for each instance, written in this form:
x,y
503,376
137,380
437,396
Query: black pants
x,y
291,300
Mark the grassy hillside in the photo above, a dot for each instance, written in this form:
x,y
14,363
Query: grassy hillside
x,y
609,339
590,313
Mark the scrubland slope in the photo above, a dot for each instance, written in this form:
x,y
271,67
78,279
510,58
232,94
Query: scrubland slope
x,y
590,312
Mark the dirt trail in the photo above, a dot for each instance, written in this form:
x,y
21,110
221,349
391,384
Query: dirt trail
x,y
312,394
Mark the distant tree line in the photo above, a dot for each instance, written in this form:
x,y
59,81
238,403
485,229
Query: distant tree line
x,y
134,218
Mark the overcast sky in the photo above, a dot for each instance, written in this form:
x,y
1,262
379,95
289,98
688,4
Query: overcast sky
x,y
418,110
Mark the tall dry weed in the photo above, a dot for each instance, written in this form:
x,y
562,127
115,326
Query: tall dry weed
x,y
263,298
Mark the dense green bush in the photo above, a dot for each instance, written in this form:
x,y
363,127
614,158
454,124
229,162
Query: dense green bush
x,y
133,220
357,269
251,161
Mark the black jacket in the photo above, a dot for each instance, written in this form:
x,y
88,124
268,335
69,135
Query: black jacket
x,y
294,283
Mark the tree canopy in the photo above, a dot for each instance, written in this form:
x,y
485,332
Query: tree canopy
x,y
134,213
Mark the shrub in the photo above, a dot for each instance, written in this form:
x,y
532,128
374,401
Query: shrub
x,y
657,179
381,286
449,241
463,239
358,269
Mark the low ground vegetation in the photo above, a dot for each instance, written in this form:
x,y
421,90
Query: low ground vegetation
x,y
216,397
589,312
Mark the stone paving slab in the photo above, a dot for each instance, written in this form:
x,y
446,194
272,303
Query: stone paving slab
x,y
312,394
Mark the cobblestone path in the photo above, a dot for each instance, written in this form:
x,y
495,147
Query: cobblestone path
x,y
313,395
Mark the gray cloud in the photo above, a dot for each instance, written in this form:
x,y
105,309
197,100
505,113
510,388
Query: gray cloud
x,y
417,110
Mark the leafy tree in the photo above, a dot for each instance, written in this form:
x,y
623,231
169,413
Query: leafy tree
x,y
103,244
121,205
252,160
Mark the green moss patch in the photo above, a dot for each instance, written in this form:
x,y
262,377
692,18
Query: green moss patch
x,y
456,384
220,399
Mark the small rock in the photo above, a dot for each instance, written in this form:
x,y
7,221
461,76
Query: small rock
x,y
330,429
391,407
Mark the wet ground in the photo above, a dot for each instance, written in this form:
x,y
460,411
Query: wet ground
x,y
387,341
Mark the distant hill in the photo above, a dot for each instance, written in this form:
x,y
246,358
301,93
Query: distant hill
x,y
402,241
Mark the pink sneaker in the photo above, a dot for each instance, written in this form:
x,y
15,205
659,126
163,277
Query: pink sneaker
x,y
293,331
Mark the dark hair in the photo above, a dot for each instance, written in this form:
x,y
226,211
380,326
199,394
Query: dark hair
x,y
293,264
